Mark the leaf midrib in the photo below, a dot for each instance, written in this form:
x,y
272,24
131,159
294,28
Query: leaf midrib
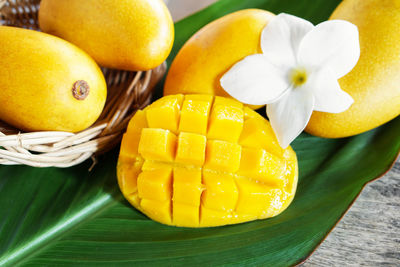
x,y
32,247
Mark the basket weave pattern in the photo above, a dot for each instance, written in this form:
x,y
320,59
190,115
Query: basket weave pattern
x,y
127,92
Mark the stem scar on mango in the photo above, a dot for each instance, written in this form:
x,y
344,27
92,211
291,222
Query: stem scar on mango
x,y
80,90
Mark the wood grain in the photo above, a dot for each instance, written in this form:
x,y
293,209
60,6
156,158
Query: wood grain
x,y
369,234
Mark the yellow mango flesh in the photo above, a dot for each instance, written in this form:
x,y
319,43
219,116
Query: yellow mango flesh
x,y
37,76
183,175
122,34
374,83
213,50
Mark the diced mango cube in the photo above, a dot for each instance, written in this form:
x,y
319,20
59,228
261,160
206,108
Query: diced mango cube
x,y
206,98
209,217
151,165
225,101
260,165
157,144
191,149
256,198
249,113
222,156
159,211
138,122
128,174
187,186
194,116
155,185
226,123
129,146
185,215
220,193
241,218
258,133
165,113
133,199
291,175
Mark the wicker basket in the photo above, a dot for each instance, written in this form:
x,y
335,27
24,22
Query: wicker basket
x,y
127,92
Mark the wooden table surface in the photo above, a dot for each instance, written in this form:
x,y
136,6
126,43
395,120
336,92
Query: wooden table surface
x,y
369,234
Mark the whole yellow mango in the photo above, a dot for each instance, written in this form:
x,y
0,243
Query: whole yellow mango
x,y
47,83
213,50
374,83
202,161
123,34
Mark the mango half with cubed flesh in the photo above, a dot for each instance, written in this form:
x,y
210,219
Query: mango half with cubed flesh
x,y
202,161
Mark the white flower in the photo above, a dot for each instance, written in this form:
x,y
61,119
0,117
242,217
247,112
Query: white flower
x,y
297,72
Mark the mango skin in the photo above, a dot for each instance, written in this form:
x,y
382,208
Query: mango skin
x,y
213,50
121,34
374,83
203,161
37,73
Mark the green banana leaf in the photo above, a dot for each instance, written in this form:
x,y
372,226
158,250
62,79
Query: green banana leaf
x,y
76,217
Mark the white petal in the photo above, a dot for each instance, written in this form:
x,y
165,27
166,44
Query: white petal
x,y
334,44
329,97
290,115
281,38
255,81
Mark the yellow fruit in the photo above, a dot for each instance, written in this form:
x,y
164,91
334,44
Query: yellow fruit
x,y
122,34
47,83
225,167
374,82
213,50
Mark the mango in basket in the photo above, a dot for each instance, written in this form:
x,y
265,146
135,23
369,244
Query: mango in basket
x,y
121,34
374,83
200,161
47,83
213,50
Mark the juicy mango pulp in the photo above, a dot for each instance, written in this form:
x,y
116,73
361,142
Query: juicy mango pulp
x,y
200,161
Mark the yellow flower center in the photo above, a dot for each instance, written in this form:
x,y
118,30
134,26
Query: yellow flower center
x,y
298,77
